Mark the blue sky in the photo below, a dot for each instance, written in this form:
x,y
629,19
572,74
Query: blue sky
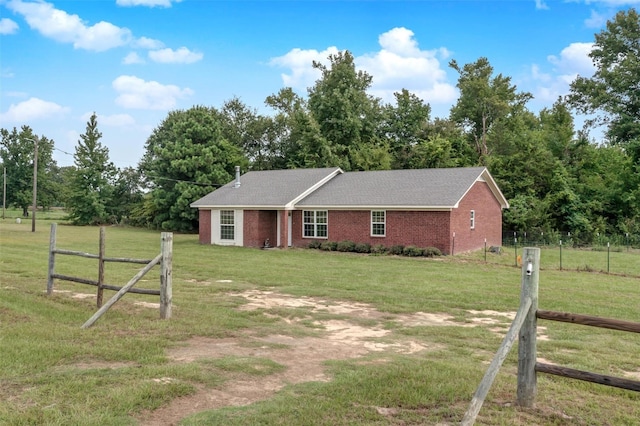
x,y
133,61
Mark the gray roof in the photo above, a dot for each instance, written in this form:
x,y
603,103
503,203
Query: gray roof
x,y
267,189
334,189
415,188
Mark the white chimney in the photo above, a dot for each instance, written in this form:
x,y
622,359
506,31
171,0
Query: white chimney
x,y
237,184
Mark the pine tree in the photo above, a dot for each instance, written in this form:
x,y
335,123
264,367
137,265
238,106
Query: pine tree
x,y
92,181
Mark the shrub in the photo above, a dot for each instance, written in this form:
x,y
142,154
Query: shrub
x,y
346,245
328,246
378,249
397,249
363,248
412,251
432,252
315,244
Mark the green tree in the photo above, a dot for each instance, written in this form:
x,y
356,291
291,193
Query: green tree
x,y
127,194
92,179
186,157
404,126
484,102
614,89
348,118
17,152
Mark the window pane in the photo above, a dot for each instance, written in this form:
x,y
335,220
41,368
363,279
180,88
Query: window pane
x,y
226,232
308,230
322,231
226,217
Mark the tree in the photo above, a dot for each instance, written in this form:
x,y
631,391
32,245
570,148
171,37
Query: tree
x,y
186,157
404,126
347,117
484,101
92,180
17,152
614,89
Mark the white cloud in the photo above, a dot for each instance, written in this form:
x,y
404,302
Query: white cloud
x,y
148,3
132,58
60,26
170,56
573,60
7,26
148,43
541,5
31,109
596,20
299,61
400,64
136,93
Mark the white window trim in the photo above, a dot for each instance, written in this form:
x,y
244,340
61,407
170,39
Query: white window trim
x,y
233,225
384,234
315,224
473,219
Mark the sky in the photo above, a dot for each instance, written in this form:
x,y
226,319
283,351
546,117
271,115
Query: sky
x,y
131,62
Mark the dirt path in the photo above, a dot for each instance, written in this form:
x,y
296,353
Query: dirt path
x,y
303,358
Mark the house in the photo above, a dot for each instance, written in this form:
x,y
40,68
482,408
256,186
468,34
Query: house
x,y
453,209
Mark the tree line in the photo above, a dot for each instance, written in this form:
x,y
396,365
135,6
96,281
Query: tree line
x,y
555,177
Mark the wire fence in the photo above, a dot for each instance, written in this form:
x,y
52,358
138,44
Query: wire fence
x,y
609,254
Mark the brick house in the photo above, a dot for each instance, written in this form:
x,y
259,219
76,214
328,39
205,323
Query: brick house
x,y
453,209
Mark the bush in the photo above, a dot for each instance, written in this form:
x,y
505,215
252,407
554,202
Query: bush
x,y
413,251
432,252
328,246
397,249
346,245
315,244
378,249
363,248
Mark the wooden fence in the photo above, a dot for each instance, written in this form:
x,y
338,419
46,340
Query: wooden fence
x,y
164,259
525,327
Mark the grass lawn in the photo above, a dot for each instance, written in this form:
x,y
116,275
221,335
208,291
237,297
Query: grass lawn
x,y
131,367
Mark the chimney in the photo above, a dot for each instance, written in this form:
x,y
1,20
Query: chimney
x,y
237,184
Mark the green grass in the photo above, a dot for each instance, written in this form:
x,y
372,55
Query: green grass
x,y
54,373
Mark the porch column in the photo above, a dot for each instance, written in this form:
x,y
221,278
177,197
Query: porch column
x,y
284,229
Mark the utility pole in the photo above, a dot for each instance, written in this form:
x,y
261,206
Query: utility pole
x,y
4,190
35,184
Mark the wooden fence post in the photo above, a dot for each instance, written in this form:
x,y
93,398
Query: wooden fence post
x,y
101,268
166,293
527,340
122,292
52,258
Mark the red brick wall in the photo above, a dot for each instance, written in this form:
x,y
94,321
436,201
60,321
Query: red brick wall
x,y
488,223
204,226
423,229
258,226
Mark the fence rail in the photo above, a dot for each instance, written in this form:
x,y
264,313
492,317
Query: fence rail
x,y
164,259
525,325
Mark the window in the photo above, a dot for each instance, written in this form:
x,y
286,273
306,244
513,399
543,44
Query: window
x,y
473,219
314,224
378,228
227,225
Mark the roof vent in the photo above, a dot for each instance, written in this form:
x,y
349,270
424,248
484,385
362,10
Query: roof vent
x,y
237,184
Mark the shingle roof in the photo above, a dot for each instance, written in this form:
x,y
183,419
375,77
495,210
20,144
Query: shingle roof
x,y
268,188
332,188
416,188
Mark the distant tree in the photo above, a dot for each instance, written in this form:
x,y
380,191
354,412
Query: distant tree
x,y
484,101
186,157
92,179
17,152
127,194
614,90
404,126
347,117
